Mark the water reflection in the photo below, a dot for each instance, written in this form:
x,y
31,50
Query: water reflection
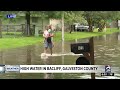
x,y
118,36
47,61
63,52
108,50
48,76
28,56
63,62
1,58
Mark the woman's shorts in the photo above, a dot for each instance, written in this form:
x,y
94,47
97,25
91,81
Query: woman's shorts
x,y
46,44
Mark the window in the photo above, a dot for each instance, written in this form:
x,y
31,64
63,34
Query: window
x,y
34,19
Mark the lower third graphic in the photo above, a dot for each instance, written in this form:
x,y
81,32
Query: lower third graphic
x,y
107,71
2,68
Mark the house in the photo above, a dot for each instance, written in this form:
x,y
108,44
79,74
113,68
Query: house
x,y
34,20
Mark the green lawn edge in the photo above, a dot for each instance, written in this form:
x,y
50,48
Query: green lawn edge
x,y
9,43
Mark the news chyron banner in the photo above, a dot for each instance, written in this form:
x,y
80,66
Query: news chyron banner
x,y
60,69
102,69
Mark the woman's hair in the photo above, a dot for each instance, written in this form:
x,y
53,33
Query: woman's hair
x,y
46,27
49,26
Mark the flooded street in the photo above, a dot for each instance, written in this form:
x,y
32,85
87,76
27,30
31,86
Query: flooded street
x,y
107,52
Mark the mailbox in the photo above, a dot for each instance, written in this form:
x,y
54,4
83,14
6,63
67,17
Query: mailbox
x,y
78,48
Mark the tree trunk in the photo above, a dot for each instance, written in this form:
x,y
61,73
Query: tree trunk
x,y
101,27
0,28
90,27
90,24
28,31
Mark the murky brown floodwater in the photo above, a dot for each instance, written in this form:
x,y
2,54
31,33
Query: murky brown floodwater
x,y
107,51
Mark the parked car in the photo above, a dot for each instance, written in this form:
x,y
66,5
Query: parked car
x,y
82,28
79,27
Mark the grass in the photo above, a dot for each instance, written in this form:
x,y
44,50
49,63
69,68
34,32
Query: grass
x,y
79,35
11,33
6,43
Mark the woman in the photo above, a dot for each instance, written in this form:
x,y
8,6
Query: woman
x,y
47,39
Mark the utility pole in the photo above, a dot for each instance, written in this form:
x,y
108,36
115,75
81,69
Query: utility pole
x,y
62,25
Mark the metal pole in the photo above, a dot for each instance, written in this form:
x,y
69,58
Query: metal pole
x,y
92,55
63,38
62,25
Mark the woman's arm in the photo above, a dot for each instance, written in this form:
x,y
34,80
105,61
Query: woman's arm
x,y
45,36
51,35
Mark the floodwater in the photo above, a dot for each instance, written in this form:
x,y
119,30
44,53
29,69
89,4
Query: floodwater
x,y
106,49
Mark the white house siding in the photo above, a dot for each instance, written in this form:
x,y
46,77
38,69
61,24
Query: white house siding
x,y
55,23
22,20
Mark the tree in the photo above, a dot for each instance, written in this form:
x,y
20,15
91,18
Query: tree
x,y
72,17
54,14
28,31
115,16
99,18
89,16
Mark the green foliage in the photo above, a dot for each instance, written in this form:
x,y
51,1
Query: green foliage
x,y
100,18
70,17
74,17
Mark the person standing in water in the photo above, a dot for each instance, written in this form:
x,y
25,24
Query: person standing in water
x,y
47,34
51,33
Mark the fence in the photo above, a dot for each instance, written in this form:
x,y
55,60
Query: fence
x,y
17,30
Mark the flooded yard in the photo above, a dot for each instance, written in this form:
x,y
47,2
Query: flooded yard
x,y
107,52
